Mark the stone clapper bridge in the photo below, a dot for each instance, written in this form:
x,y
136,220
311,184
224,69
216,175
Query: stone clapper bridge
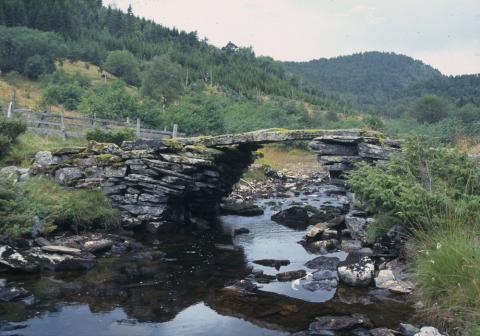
x,y
163,184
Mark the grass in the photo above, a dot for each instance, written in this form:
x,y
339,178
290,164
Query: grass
x,y
291,159
447,270
42,204
23,150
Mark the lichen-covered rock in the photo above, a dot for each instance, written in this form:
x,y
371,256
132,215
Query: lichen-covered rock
x,y
356,271
43,159
428,331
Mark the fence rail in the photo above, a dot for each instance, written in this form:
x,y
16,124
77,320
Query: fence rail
x,y
73,126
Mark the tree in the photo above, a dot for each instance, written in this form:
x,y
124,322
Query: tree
x,y
162,80
430,109
37,65
123,64
110,102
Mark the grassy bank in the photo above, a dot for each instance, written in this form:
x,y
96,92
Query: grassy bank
x,y
23,150
40,204
435,195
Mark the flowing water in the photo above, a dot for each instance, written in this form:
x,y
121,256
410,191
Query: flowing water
x,y
181,293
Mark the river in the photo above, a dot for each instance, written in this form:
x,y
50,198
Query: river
x,y
181,292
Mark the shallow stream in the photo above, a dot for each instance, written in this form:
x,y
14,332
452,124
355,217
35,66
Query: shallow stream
x,y
181,293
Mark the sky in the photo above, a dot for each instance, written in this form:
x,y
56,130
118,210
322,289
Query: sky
x,y
442,33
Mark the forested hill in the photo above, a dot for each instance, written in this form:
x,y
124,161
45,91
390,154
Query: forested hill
x,y
379,80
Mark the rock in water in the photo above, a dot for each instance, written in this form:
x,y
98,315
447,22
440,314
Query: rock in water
x,y
382,332
315,233
240,231
386,280
323,263
408,329
356,271
330,322
291,275
241,209
295,217
272,262
428,331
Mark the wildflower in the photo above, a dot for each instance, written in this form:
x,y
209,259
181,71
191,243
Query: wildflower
x,y
439,246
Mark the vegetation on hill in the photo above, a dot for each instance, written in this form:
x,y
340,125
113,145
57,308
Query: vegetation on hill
x,y
381,81
166,66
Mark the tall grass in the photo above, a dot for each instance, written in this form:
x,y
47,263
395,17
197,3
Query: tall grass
x,y
447,269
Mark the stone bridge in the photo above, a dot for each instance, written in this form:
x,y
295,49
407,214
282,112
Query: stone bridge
x,y
161,184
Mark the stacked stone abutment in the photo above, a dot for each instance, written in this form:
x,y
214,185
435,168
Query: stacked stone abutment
x,y
339,153
157,185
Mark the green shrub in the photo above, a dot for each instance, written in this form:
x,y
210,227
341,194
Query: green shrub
x,y
41,204
69,95
435,194
10,129
418,183
116,136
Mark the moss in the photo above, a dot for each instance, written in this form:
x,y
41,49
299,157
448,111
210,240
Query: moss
x,y
108,159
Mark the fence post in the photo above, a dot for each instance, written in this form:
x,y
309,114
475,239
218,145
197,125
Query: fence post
x,y
138,128
9,110
62,121
14,99
174,131
128,120
94,121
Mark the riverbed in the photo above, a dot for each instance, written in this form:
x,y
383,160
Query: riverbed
x,y
180,289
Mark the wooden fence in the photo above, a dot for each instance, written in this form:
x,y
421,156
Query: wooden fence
x,y
71,126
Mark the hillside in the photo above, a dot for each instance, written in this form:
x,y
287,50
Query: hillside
x,y
383,80
164,75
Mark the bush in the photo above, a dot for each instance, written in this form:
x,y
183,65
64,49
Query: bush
x,y
10,129
69,95
41,204
435,194
110,102
37,65
116,136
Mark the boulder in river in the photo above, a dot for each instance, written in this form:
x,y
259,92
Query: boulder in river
x,y
387,280
272,262
241,209
356,270
315,233
295,217
321,246
382,332
291,275
407,329
428,331
330,322
323,263
240,231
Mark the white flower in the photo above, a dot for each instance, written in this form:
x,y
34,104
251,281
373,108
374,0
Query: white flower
x,y
439,246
